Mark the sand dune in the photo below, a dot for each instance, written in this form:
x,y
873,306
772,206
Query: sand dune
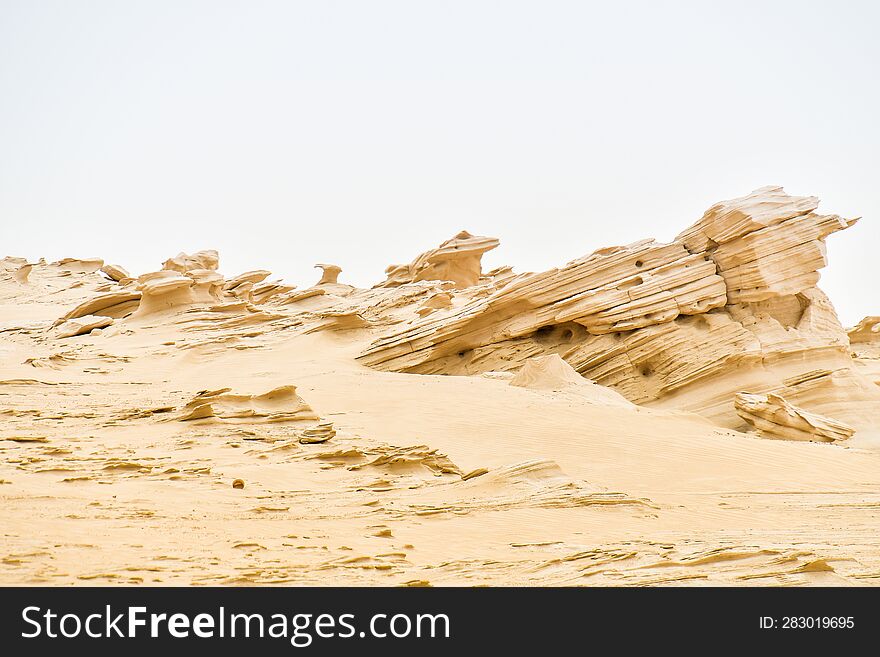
x,y
605,422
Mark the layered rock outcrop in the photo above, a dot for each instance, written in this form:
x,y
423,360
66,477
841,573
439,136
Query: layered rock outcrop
x,y
184,280
774,417
766,244
724,315
730,306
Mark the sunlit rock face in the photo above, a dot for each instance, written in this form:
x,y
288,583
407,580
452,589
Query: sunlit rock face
x,y
731,306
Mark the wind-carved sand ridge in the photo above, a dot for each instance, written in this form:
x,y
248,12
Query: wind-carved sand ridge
x,y
684,413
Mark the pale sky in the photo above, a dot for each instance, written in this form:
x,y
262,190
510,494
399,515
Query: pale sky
x,y
364,132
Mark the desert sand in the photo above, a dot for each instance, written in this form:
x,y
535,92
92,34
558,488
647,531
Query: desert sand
x,y
690,413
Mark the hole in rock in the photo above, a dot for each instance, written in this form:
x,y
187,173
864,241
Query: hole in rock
x,y
632,282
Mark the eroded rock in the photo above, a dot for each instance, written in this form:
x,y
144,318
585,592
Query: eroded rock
x,y
183,262
867,330
115,273
457,260
280,404
774,417
82,325
731,305
329,274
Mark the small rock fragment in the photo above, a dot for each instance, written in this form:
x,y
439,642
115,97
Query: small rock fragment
x,y
474,473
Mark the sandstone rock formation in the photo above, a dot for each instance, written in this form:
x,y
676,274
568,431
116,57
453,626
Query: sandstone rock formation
x,y
82,325
338,320
183,262
21,274
115,273
329,274
865,342
436,301
281,404
866,331
766,244
320,433
251,277
110,304
295,296
163,290
79,265
264,291
457,260
776,418
416,457
729,306
206,284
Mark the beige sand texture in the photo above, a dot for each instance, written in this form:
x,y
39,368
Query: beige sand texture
x,y
690,413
